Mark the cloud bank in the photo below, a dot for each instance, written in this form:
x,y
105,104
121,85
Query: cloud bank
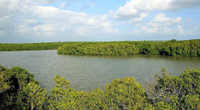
x,y
41,20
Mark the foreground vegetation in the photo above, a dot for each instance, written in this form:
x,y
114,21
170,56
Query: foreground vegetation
x,y
19,91
188,48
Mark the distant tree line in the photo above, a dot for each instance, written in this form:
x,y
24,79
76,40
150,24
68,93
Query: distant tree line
x,y
99,49
188,48
19,91
30,46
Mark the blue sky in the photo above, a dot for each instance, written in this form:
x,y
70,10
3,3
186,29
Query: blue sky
x,y
28,21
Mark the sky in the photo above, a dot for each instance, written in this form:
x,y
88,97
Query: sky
x,y
31,21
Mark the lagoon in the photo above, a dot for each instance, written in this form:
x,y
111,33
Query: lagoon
x,y
87,72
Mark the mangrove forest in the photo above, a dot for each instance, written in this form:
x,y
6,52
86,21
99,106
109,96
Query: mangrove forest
x,y
187,48
19,91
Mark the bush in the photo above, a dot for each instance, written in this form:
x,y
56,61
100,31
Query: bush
x,y
180,92
125,93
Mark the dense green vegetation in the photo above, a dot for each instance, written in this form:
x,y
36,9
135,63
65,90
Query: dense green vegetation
x,y
104,48
19,91
188,48
30,46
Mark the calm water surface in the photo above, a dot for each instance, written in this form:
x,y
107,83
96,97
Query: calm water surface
x,y
88,72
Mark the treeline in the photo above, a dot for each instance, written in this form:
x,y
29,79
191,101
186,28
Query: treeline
x,y
188,48
19,91
30,46
104,48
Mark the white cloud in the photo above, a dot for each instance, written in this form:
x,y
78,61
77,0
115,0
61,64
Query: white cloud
x,y
142,16
104,17
106,24
191,31
163,31
52,12
124,12
134,8
71,22
91,21
51,1
11,7
151,30
47,21
161,20
161,24
45,28
34,18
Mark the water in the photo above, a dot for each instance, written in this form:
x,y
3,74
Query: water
x,y
87,72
